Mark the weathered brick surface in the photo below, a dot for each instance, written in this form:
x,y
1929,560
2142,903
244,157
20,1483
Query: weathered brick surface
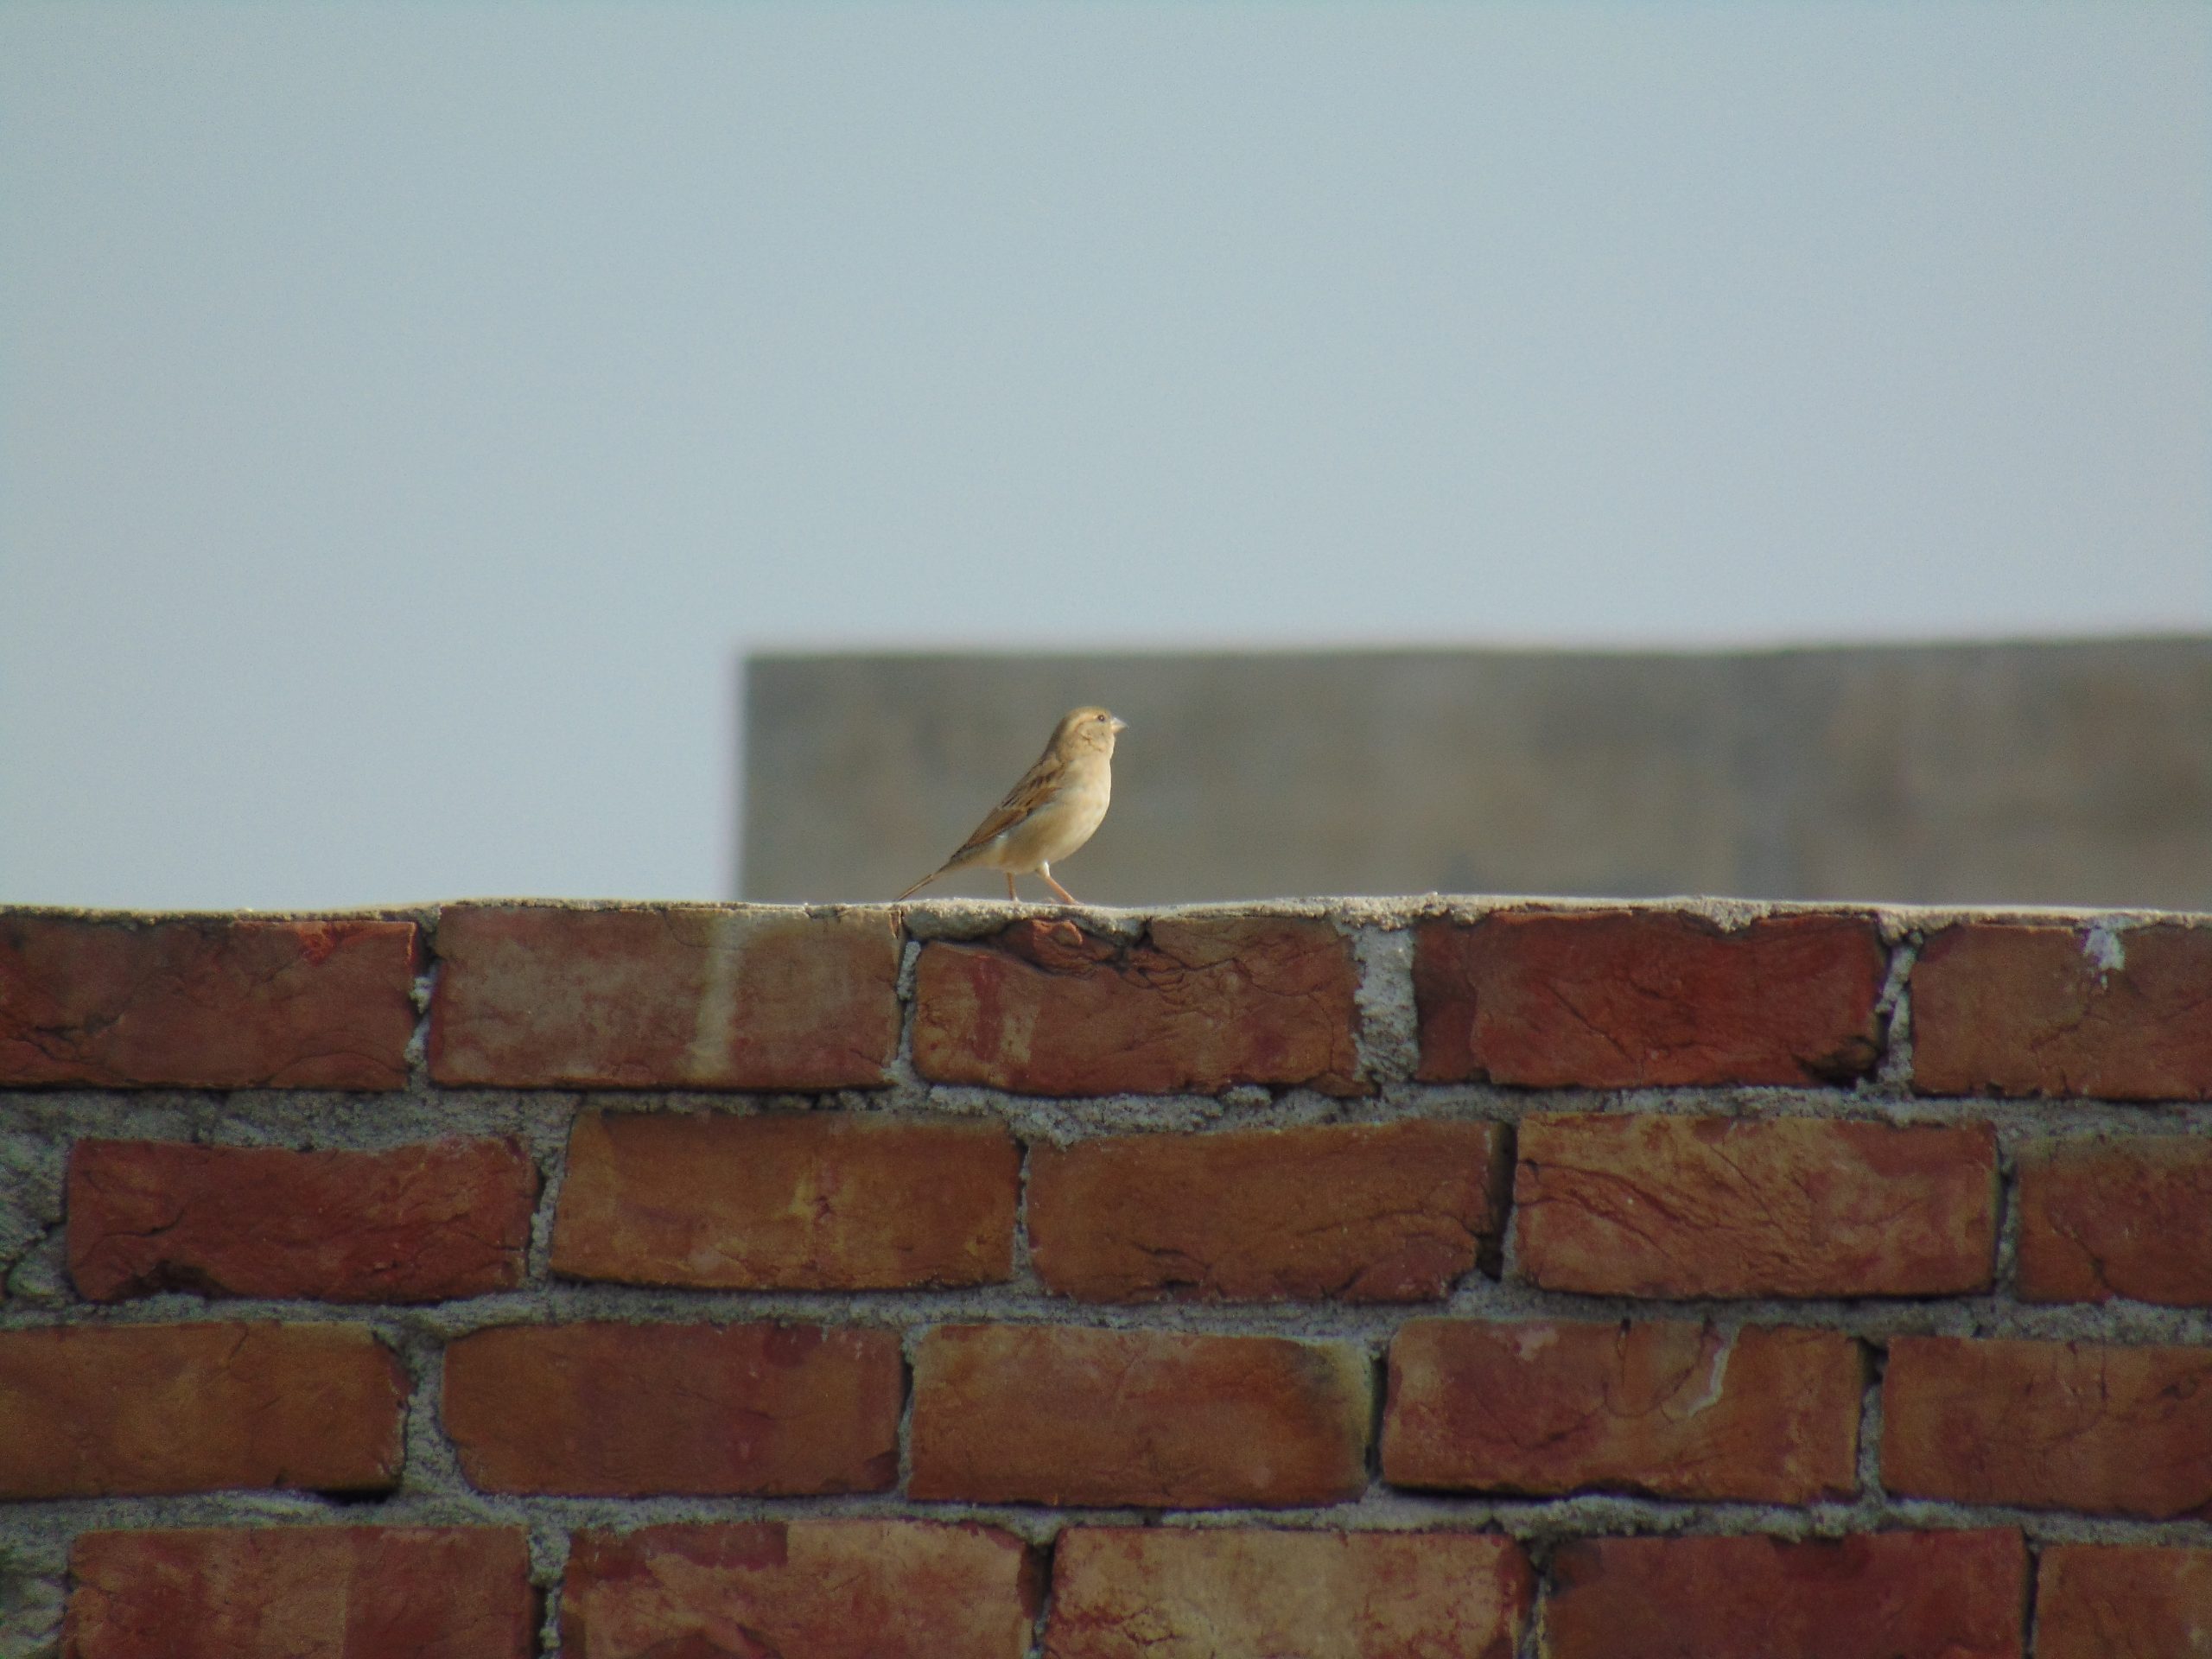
x,y
1058,1414
2049,1425
1633,1204
2040,1008
204,1002
149,1408
795,1201
619,1410
302,1592
1625,999
2126,1218
1201,1003
1173,1593
2123,1601
1677,1410
820,1589
1889,1595
417,1223
693,997
1365,1212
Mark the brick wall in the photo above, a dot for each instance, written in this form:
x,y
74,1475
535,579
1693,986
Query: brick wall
x,y
1373,1279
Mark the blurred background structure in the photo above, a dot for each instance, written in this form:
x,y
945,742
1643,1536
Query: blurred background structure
x,y
2048,773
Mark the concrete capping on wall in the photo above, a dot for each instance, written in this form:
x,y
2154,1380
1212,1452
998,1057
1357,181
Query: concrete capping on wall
x,y
1553,1231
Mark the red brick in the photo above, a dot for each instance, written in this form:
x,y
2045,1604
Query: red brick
x,y
820,1589
1364,1212
1174,1592
2037,1008
1897,1595
417,1223
204,1002
1044,1009
1645,1204
674,996
1761,1415
147,1408
2102,1219
1623,999
788,1201
1056,1415
302,1592
608,1410
2123,1601
2050,1426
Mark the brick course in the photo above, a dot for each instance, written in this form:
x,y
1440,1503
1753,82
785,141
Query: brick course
x,y
1900,1595
1674,1409
693,997
415,1225
2085,1427
625,1410
1061,1414
204,1002
2105,1219
149,1408
787,1201
302,1592
1393,1212
1625,1204
2014,1008
1199,1004
1629,999
2121,1601
825,1589
1175,1593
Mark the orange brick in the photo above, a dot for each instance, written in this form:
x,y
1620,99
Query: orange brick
x,y
1057,1414
1901,1595
791,1201
1174,1592
2036,1008
605,1410
2120,1218
1202,1003
2123,1601
2050,1426
1364,1212
823,1589
149,1408
674,996
1623,999
302,1592
1761,1415
204,1002
419,1223
1646,1204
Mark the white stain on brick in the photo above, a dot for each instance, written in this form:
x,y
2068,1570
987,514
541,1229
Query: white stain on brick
x,y
714,1022
2103,945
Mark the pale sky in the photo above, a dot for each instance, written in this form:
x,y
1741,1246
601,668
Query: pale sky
x,y
407,413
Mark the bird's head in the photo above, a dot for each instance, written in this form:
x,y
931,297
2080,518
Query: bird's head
x,y
1087,729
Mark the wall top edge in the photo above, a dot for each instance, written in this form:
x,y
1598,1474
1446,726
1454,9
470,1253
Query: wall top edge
x,y
949,917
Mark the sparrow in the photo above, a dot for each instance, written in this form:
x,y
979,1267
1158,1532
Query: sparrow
x,y
1056,807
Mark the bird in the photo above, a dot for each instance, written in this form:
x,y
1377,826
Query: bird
x,y
1056,807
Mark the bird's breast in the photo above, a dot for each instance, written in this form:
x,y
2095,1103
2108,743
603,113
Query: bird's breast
x,y
1056,828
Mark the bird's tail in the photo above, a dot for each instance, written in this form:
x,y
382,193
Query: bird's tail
x,y
918,885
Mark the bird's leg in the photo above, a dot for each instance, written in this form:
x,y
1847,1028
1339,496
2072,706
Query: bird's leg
x,y
1010,892
1066,898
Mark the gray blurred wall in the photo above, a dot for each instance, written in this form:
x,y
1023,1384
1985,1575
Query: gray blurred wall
x,y
2045,773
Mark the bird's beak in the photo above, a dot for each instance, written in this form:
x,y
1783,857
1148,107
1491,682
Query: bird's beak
x,y
1121,725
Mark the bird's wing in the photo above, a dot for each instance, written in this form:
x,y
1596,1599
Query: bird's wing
x,y
1035,788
